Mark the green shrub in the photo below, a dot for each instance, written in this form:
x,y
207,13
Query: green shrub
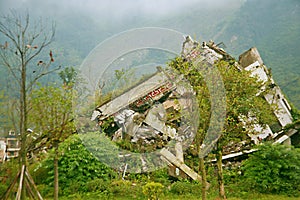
x,y
74,196
77,167
39,173
181,188
8,172
45,190
121,187
72,188
98,185
274,169
153,190
232,175
160,176
3,189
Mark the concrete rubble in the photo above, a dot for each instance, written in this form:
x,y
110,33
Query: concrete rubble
x,y
151,112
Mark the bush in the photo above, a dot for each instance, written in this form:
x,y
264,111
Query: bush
x,y
77,167
39,173
72,188
45,190
8,172
180,188
274,169
121,187
232,174
160,176
153,190
3,189
98,185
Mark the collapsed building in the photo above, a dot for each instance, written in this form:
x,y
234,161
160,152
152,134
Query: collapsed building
x,y
153,112
251,61
142,111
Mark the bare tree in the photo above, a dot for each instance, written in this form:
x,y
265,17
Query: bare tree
x,y
24,41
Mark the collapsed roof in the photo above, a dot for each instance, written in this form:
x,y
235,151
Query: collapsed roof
x,y
146,114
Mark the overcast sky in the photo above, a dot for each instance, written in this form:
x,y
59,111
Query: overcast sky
x,y
109,8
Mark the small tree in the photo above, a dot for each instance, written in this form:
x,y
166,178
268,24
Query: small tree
x,y
53,118
241,99
24,42
68,76
77,167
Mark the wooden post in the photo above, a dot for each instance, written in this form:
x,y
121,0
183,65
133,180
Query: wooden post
x,y
20,183
8,191
29,190
124,172
33,184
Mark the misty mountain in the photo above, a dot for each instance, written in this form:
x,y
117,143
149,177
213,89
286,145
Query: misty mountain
x,y
274,28
270,25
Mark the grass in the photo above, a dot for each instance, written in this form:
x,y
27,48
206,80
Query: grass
x,y
169,196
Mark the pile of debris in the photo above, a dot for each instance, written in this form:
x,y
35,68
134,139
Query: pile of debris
x,y
150,114
157,111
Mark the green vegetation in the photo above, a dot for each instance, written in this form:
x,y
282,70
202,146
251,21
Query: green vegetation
x,y
83,176
274,169
153,191
273,172
241,100
79,170
270,26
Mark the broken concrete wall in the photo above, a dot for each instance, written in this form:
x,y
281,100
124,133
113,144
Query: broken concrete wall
x,y
251,61
249,57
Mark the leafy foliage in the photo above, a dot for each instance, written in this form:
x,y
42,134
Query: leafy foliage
x,y
241,99
153,190
98,184
8,171
183,187
274,169
274,30
120,187
77,167
68,76
51,116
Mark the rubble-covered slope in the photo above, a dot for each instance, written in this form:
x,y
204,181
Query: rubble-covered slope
x,y
162,110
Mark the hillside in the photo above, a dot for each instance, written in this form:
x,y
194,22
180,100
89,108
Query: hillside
x,y
274,28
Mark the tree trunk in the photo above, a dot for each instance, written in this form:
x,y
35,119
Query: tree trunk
x,y
203,179
23,121
220,174
56,187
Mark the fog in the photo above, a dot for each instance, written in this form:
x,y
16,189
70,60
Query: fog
x,y
82,24
114,9
270,25
108,17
